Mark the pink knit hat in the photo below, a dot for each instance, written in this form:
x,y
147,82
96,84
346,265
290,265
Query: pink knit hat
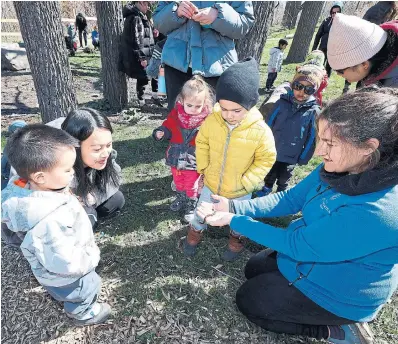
x,y
352,41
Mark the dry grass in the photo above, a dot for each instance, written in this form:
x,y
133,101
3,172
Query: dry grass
x,y
156,294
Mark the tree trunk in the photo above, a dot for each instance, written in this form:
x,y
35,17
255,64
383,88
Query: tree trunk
x,y
253,43
304,32
290,15
110,26
42,32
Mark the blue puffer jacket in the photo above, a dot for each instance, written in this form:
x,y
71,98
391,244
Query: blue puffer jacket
x,y
343,252
209,50
293,126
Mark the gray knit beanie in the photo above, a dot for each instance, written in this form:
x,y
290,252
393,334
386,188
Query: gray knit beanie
x,y
240,83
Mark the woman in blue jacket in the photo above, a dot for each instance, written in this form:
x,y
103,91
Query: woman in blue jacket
x,y
200,39
333,269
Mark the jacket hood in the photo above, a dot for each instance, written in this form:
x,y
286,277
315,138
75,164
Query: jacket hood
x,y
273,50
129,10
252,116
22,209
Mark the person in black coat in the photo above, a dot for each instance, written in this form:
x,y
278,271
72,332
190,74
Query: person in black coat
x,y
323,35
137,47
81,25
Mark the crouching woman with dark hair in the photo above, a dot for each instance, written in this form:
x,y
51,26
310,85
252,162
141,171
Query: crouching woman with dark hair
x,y
97,175
332,270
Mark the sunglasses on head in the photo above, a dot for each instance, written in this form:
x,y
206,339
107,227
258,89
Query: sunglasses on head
x,y
309,90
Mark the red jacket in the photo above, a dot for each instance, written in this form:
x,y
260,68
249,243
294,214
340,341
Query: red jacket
x,y
172,129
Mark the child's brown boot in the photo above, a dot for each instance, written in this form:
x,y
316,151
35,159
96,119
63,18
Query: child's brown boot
x,y
191,241
235,247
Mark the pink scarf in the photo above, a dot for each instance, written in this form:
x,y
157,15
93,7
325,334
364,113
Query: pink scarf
x,y
191,121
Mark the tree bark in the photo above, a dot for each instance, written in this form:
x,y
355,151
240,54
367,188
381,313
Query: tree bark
x,y
42,32
253,43
304,32
290,15
110,25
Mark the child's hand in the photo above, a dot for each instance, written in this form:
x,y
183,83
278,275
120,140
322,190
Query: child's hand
x,y
220,203
159,135
273,70
144,63
90,199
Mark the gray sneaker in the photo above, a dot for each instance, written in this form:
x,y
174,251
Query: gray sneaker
x,y
358,333
98,313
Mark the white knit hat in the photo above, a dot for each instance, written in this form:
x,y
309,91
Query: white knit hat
x,y
352,41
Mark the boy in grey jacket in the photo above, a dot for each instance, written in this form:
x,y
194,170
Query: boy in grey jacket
x,y
275,63
54,230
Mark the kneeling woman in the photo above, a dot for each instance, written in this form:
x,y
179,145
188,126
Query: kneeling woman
x,y
97,175
332,270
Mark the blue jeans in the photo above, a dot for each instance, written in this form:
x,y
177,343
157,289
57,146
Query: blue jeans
x,y
78,296
205,196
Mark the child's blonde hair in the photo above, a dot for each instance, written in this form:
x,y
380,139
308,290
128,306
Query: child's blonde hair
x,y
197,85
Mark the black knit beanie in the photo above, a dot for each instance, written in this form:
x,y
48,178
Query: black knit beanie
x,y
239,83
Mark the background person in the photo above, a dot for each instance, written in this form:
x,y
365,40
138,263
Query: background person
x,y
209,49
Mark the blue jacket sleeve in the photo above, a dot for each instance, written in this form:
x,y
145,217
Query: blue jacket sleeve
x,y
280,204
332,238
153,68
164,19
235,20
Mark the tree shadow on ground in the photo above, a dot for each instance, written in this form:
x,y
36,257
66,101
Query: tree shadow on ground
x,y
19,107
154,280
147,205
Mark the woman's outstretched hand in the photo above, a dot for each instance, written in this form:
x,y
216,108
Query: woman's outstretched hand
x,y
207,213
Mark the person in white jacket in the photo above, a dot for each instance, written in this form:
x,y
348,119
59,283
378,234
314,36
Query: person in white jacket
x,y
275,63
54,230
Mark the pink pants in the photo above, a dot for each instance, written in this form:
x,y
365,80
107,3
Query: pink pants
x,y
186,181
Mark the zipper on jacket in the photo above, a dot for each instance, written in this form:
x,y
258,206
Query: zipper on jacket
x,y
224,160
318,194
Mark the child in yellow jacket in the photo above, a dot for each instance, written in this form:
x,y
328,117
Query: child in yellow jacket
x,y
235,149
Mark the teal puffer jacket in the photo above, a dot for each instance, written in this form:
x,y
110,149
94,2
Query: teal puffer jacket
x,y
207,50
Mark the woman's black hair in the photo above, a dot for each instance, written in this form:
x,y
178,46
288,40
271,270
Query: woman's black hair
x,y
80,124
370,112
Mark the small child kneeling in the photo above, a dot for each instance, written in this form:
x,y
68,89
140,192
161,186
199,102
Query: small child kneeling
x,y
56,233
235,149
